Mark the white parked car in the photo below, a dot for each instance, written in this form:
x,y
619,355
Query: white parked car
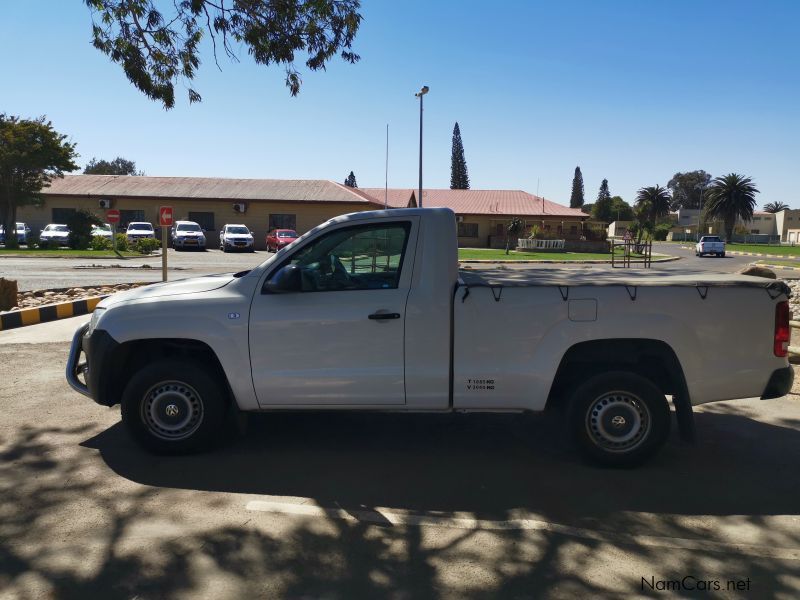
x,y
55,232
710,244
22,231
138,230
369,312
187,234
236,237
103,230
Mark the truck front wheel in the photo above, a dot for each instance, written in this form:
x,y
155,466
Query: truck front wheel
x,y
173,407
619,419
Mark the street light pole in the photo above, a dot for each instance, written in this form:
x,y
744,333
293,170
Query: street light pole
x,y
419,95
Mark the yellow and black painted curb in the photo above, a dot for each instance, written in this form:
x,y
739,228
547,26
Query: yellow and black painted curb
x,y
49,312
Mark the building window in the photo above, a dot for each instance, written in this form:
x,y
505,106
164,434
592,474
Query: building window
x,y
204,219
573,229
468,230
755,231
560,229
129,216
62,215
547,227
282,222
756,218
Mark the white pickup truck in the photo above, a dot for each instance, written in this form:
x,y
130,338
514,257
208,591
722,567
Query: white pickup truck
x,y
710,244
369,312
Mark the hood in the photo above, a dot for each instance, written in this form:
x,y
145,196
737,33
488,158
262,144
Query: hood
x,y
195,285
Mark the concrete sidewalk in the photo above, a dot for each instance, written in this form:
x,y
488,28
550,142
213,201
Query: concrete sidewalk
x,y
54,331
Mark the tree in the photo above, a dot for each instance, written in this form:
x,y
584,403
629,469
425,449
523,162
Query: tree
x,y
459,179
731,197
687,189
118,166
514,228
601,211
350,180
80,225
658,200
32,153
621,210
157,51
576,199
775,207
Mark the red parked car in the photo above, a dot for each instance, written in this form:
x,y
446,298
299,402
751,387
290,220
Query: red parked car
x,y
278,238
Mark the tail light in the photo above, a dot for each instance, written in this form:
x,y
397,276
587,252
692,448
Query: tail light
x,y
782,331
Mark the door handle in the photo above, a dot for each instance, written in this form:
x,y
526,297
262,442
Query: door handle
x,y
383,316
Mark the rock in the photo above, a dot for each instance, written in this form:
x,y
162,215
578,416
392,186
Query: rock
x,y
758,271
49,294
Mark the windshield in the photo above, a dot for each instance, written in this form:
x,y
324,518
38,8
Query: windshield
x,y
238,230
146,226
102,228
710,239
56,228
189,227
287,234
20,226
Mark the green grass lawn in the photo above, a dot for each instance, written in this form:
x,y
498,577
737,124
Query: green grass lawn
x,y
491,254
779,262
764,249
65,253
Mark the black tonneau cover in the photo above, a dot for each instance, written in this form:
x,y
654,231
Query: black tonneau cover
x,y
567,278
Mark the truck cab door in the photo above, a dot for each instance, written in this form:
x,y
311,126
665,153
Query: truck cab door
x,y
335,335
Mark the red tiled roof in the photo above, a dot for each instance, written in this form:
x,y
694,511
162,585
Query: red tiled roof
x,y
481,202
397,197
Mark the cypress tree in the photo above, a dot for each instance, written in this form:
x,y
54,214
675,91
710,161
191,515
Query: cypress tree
x,y
576,199
459,180
601,211
350,181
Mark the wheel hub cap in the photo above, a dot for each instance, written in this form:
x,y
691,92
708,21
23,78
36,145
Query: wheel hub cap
x,y
172,410
618,421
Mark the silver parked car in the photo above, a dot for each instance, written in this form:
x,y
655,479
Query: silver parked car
x,y
236,237
55,232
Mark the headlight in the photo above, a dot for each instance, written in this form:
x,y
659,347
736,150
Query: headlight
x,y
96,315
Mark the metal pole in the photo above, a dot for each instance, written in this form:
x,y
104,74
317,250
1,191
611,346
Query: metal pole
x,y
419,200
386,189
163,253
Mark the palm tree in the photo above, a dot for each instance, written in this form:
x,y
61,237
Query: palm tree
x,y
731,197
775,207
659,200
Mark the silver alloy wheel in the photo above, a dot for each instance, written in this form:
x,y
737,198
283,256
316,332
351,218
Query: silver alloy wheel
x,y
618,421
172,410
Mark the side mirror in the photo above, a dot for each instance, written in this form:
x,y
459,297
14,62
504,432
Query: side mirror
x,y
286,280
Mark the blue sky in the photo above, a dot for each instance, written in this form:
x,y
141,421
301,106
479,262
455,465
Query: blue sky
x,y
632,91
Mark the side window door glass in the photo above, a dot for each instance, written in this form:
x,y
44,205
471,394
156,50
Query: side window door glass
x,y
355,258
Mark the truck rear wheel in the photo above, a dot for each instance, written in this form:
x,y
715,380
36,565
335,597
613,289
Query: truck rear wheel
x,y
619,419
173,407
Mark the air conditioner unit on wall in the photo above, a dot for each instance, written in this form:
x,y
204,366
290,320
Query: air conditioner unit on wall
x,y
240,207
105,203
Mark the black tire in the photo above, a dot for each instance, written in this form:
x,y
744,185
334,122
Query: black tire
x,y
722,255
618,419
174,385
225,249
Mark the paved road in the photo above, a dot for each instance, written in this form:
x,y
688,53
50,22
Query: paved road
x,y
50,273
375,506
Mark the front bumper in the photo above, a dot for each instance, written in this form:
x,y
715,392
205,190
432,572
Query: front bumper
x,y
95,370
188,243
779,384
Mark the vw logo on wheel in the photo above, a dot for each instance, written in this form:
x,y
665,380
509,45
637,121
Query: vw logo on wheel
x,y
171,410
618,421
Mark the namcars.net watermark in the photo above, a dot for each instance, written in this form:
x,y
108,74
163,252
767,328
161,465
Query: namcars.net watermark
x,y
691,583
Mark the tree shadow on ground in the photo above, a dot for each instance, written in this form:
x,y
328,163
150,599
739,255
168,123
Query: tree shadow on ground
x,y
483,466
